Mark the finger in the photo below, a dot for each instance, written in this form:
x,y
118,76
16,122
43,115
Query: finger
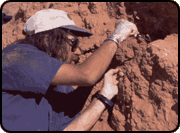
x,y
115,70
114,77
136,33
112,71
134,30
116,82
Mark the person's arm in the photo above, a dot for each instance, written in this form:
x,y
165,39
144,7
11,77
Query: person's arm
x,y
91,114
88,118
89,72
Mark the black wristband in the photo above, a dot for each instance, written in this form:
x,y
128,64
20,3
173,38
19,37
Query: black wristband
x,y
108,103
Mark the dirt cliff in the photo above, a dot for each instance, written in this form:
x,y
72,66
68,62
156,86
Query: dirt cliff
x,y
148,93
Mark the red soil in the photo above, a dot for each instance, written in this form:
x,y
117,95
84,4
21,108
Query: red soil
x,y
148,93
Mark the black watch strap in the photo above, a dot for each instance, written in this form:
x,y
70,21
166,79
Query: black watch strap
x,y
103,99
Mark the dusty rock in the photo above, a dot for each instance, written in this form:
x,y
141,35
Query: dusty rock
x,y
148,89
146,92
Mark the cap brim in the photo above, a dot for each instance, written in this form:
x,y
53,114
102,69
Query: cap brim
x,y
5,18
77,31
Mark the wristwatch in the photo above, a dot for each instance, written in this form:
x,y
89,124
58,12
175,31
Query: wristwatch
x,y
108,103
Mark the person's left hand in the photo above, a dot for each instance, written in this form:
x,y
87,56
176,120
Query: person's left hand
x,y
110,88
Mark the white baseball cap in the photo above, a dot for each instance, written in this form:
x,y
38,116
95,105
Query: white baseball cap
x,y
48,19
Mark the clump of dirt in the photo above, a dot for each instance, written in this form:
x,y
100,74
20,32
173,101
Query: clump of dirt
x,y
148,93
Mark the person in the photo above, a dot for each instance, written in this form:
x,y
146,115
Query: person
x,y
40,75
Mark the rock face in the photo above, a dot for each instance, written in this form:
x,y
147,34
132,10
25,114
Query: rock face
x,y
147,98
148,92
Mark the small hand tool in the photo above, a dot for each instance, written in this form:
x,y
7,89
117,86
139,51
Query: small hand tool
x,y
138,35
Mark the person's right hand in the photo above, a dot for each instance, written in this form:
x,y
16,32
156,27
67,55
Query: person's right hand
x,y
125,28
